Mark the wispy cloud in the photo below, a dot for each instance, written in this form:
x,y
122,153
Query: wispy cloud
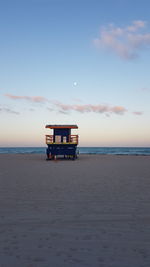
x,y
139,113
125,42
8,110
35,99
77,100
66,108
145,89
106,109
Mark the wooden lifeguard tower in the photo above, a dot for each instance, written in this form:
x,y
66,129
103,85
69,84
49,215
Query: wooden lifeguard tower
x,y
62,142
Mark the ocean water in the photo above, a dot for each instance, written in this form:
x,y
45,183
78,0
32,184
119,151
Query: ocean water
x,y
81,150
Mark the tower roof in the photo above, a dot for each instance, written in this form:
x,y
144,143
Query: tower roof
x,y
61,126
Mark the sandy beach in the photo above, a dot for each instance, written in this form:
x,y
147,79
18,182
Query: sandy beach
x,y
92,212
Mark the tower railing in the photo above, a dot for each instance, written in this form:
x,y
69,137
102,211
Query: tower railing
x,y
51,139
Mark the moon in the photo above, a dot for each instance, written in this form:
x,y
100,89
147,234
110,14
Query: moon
x,y
75,83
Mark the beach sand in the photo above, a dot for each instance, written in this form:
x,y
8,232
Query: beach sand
x,y
92,212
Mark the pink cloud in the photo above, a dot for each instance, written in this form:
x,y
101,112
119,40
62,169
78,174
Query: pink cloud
x,y
125,42
119,110
36,99
91,108
137,24
138,113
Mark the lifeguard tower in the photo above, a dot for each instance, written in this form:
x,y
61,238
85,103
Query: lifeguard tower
x,y
62,142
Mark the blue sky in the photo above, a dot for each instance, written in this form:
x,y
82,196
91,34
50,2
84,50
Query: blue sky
x,y
69,61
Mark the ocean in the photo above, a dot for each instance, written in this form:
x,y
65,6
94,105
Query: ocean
x,y
81,150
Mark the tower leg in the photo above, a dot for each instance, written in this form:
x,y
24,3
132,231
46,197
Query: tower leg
x,y
47,153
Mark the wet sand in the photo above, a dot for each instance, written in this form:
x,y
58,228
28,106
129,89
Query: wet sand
x,y
92,212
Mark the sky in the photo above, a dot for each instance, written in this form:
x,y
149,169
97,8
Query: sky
x,y
83,62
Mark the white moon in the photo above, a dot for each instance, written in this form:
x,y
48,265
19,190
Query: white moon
x,y
75,83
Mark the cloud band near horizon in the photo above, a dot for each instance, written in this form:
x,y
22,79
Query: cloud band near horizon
x,y
106,109
8,110
82,108
35,99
